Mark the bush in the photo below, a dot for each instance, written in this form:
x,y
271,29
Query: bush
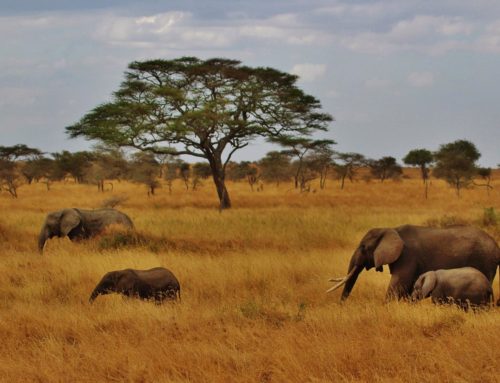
x,y
490,217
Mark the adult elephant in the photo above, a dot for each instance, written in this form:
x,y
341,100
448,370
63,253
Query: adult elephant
x,y
79,223
413,250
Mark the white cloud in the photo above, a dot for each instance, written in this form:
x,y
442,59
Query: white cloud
x,y
421,79
181,30
423,33
372,10
309,72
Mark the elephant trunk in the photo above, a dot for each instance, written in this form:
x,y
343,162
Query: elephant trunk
x,y
42,238
350,279
94,295
354,272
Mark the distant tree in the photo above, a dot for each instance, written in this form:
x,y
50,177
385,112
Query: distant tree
x,y
144,169
201,171
185,173
275,167
308,173
456,163
253,175
208,108
237,171
421,158
385,168
41,169
73,164
485,175
108,164
299,147
171,172
10,178
320,160
10,170
346,165
19,151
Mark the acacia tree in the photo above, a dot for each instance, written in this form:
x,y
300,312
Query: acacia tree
x,y
203,108
299,147
456,163
485,175
275,167
75,164
346,165
320,160
238,171
144,169
421,158
385,168
10,176
201,171
41,168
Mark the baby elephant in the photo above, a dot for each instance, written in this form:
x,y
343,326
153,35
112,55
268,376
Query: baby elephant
x,y
465,287
158,283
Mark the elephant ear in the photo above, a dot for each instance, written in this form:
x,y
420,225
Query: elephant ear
x,y
428,284
69,220
389,248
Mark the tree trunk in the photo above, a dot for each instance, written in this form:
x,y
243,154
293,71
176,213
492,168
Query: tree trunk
x,y
219,177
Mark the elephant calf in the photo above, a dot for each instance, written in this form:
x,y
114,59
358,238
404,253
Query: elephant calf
x,y
157,283
79,223
463,286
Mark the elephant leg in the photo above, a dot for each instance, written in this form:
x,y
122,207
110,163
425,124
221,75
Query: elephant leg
x,y
399,288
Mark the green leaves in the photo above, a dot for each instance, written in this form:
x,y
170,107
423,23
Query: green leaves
x,y
456,163
204,104
211,108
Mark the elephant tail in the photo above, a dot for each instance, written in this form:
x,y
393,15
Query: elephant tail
x,y
498,301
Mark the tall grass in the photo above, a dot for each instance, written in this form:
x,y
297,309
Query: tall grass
x,y
253,279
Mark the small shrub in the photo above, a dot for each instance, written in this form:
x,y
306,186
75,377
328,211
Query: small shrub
x,y
113,201
119,239
490,217
446,220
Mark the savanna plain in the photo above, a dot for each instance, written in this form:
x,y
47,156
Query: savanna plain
x,y
253,281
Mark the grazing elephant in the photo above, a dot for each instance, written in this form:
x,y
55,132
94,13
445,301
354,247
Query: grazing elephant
x,y
413,250
464,286
158,283
78,223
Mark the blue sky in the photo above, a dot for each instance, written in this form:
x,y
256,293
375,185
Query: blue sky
x,y
396,75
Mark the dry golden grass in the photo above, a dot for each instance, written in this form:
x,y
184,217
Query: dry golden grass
x,y
253,280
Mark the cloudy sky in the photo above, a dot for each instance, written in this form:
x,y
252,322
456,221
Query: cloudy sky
x,y
396,75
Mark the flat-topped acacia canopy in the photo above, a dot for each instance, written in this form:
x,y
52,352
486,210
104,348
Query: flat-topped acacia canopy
x,y
203,108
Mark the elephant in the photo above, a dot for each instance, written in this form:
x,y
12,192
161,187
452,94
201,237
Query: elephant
x,y
465,286
157,283
410,251
79,223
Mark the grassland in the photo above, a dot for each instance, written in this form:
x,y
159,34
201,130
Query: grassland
x,y
253,280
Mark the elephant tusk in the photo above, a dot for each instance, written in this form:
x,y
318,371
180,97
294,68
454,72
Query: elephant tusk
x,y
336,279
337,286
341,281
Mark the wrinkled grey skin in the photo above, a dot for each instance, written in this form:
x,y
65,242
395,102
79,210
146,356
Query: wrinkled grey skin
x,y
465,287
79,223
410,251
157,283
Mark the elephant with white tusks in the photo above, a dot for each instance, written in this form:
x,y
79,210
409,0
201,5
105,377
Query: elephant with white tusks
x,y
79,223
410,251
465,286
158,283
